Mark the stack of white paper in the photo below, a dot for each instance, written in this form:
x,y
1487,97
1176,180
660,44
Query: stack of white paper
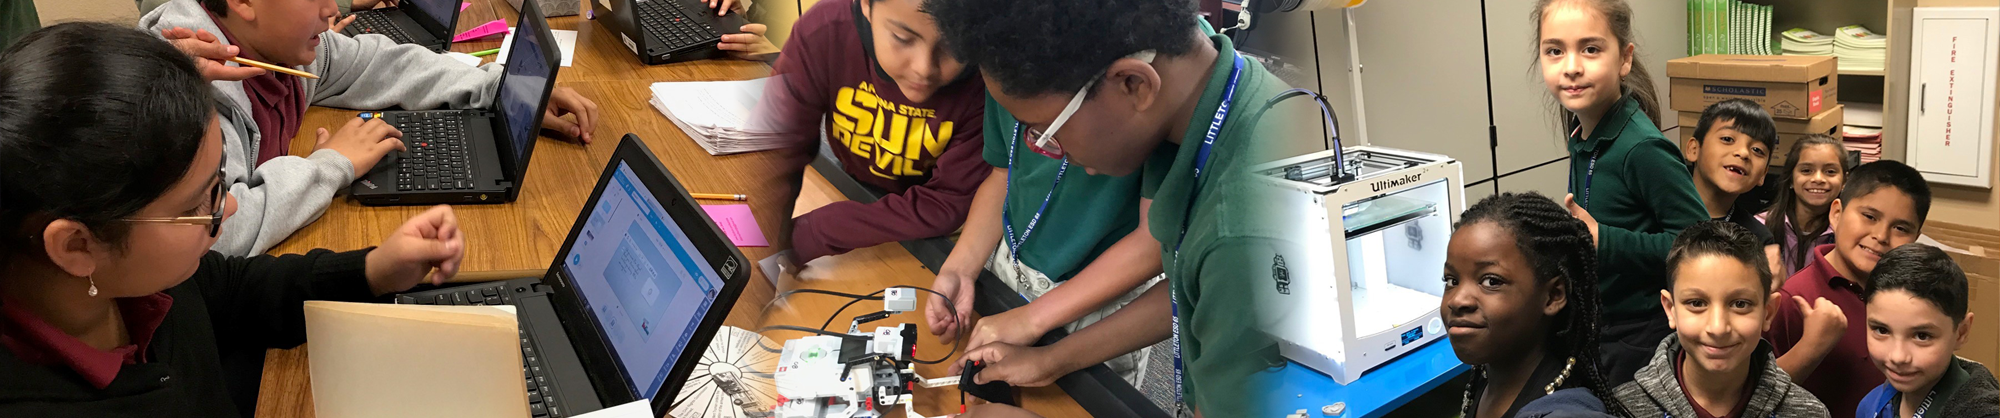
x,y
1802,41
716,114
1859,49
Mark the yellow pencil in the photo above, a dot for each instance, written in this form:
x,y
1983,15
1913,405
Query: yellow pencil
x,y
255,63
720,196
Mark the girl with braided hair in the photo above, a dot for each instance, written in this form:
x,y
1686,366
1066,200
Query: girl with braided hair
x,y
1521,302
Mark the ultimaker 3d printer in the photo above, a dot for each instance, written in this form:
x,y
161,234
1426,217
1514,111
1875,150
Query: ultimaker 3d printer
x,y
1383,217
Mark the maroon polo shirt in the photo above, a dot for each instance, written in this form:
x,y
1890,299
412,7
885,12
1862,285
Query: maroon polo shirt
x,y
35,341
276,103
1845,375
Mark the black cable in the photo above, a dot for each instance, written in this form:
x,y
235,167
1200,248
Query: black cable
x,y
952,308
810,330
843,308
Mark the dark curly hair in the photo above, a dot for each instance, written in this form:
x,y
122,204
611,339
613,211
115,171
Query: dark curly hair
x,y
96,121
1559,246
1039,47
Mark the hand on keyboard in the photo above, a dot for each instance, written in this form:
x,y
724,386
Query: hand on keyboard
x,y
335,24
427,248
751,45
363,143
722,7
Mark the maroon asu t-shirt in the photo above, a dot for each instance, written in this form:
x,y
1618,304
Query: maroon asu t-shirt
x,y
926,153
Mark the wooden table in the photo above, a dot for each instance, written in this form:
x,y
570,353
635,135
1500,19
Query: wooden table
x,y
519,239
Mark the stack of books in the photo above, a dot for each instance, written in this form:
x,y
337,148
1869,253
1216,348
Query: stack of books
x,y
1802,41
1728,27
716,114
1860,49
1863,130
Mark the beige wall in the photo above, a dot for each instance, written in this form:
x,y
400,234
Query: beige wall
x,y
125,12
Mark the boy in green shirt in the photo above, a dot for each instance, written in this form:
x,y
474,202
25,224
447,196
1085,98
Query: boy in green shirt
x,y
1151,90
1074,244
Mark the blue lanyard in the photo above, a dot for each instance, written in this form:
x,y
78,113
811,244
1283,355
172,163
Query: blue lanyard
x,y
1200,162
1008,222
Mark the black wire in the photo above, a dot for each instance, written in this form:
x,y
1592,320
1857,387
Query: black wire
x,y
952,308
809,330
843,308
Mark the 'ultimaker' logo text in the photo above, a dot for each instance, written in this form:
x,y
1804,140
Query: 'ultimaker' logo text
x,y
1393,183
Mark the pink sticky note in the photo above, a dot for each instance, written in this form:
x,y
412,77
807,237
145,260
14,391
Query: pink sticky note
x,y
736,222
494,27
462,6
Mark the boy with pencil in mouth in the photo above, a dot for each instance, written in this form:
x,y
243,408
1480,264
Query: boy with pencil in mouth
x,y
278,193
1916,319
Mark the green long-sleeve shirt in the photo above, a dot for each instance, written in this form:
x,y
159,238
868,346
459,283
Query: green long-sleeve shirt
x,y
17,18
1641,194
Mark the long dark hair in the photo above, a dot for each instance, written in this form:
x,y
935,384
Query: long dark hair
x,y
1638,83
1784,208
96,122
1559,246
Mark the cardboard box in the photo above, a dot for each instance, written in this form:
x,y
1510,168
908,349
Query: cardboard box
x,y
1789,130
1981,263
1788,86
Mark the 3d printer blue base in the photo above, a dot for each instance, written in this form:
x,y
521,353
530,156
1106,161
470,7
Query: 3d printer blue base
x,y
1295,386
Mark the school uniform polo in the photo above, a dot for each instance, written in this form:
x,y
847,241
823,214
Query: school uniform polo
x,y
1845,375
1231,245
1642,195
1085,213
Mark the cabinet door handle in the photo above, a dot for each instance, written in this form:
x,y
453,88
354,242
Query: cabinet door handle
x,y
1923,95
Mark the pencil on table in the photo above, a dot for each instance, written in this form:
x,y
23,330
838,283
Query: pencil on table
x,y
720,196
255,63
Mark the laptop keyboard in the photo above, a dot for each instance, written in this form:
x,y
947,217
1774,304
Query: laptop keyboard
x,y
672,25
437,156
541,395
379,23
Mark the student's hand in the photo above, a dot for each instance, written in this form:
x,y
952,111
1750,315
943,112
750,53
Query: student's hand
x,y
1569,201
751,45
959,287
336,24
211,57
564,101
363,143
427,248
723,7
1825,323
1015,326
996,410
1016,365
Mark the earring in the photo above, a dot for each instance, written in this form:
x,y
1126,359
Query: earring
x,y
93,286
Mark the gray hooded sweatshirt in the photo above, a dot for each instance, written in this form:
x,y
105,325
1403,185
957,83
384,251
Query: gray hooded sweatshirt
x,y
1656,392
278,197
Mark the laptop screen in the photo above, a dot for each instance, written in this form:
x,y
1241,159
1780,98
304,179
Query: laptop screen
x,y
643,279
522,89
436,11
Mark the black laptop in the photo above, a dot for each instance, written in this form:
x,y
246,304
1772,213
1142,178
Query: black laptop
x,y
471,156
630,303
667,31
422,22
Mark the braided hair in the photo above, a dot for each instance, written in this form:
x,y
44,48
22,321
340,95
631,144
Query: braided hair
x,y
1558,246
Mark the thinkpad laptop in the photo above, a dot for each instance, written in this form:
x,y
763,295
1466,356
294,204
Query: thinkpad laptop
x,y
667,31
629,305
471,156
422,22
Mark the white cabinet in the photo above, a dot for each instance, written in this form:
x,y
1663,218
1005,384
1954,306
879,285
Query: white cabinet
x,y
1953,60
